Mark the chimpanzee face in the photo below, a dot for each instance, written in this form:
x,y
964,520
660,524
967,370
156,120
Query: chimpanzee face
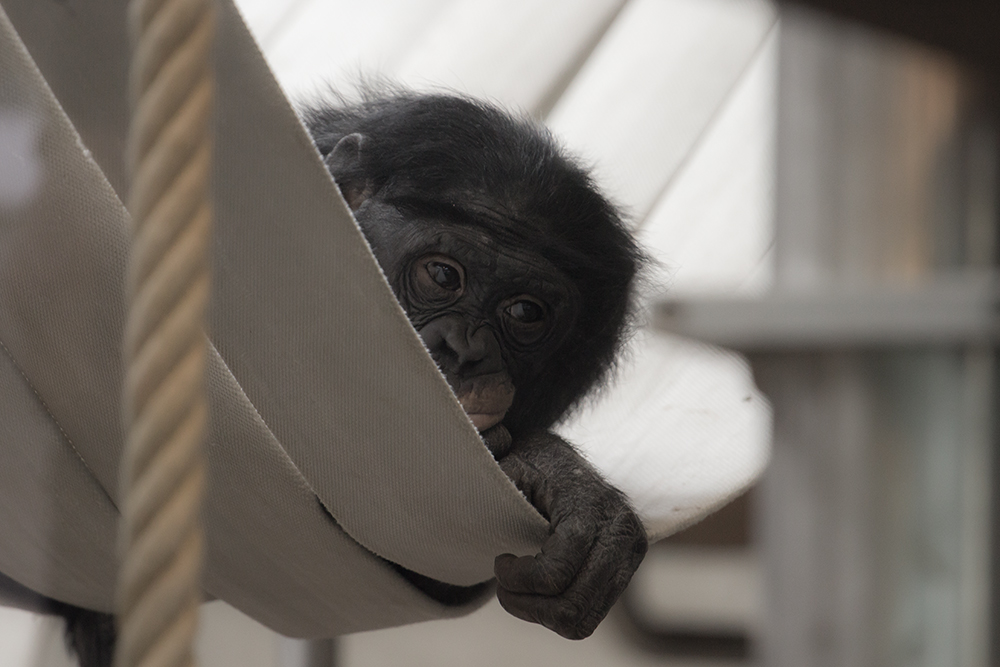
x,y
488,311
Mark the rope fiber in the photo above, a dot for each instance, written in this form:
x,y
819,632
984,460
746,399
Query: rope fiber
x,y
165,407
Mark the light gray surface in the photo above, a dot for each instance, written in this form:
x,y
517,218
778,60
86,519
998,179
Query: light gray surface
x,y
459,45
654,86
712,227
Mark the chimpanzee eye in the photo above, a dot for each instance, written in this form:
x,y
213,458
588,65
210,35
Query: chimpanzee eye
x,y
526,312
525,319
437,279
445,275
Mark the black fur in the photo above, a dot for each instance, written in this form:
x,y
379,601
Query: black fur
x,y
441,153
90,635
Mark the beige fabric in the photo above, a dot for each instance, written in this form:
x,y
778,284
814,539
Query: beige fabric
x,y
393,458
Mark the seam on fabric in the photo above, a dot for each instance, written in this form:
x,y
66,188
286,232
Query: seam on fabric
x,y
62,431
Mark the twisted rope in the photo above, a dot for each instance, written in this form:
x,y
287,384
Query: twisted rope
x,y
163,471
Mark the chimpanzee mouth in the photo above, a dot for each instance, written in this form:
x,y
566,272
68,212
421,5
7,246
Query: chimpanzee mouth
x,y
486,401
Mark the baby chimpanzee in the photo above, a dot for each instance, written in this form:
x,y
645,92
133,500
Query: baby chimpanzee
x,y
518,275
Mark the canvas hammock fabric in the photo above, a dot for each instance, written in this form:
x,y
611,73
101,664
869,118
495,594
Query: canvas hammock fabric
x,y
323,398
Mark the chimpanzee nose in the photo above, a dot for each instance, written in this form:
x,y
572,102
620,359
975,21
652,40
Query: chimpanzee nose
x,y
462,347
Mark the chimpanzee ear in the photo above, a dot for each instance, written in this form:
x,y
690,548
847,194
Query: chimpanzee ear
x,y
344,163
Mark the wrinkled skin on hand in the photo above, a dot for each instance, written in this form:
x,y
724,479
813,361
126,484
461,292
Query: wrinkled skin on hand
x,y
595,544
497,439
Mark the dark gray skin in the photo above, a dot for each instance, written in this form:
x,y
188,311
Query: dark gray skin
x,y
489,309
595,544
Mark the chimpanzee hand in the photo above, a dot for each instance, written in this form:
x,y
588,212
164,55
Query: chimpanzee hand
x,y
595,542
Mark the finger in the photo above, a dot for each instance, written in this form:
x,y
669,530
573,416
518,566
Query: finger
x,y
523,475
608,572
561,614
578,611
551,571
497,439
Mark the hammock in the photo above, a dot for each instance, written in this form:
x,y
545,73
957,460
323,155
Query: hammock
x,y
323,397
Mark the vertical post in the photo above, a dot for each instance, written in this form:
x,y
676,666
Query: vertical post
x,y
874,516
308,653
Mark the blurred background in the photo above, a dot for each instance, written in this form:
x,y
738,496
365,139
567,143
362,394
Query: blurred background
x,y
820,195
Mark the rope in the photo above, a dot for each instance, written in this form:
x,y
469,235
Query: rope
x,y
163,470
